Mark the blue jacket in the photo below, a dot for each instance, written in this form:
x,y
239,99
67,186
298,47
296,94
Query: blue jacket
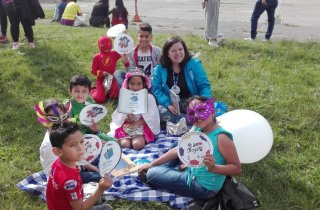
x,y
196,78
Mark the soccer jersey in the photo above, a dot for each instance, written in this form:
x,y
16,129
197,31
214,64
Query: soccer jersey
x,y
64,186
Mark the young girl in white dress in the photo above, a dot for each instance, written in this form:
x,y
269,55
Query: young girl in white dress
x,y
135,130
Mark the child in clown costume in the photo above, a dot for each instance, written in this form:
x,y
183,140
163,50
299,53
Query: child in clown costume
x,y
103,66
135,130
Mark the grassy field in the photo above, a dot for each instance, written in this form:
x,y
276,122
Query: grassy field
x,y
279,80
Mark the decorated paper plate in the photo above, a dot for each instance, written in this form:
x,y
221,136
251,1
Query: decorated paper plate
x,y
123,43
116,30
110,157
93,112
92,148
192,148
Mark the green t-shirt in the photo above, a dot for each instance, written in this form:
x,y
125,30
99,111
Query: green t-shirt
x,y
76,108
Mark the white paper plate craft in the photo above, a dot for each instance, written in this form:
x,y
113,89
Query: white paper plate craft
x,y
92,148
116,30
123,44
93,112
252,134
110,157
192,147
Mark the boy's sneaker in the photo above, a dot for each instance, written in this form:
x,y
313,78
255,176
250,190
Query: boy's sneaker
x,y
31,45
4,39
266,40
15,45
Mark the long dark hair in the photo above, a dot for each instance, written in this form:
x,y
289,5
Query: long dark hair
x,y
165,61
120,9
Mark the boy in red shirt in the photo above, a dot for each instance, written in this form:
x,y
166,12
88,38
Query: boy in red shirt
x,y
64,189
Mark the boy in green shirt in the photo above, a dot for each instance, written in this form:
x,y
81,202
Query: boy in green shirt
x,y
80,87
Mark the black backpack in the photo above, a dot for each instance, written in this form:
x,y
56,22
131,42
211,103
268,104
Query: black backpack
x,y
233,196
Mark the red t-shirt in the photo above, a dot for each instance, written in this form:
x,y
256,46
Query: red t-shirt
x,y
106,62
64,186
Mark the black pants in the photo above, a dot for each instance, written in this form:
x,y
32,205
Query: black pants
x,y
15,19
4,21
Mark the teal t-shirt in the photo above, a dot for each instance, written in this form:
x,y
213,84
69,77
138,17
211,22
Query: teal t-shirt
x,y
210,181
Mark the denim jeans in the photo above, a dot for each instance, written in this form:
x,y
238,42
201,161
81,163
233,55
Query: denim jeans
x,y
119,76
90,176
169,177
258,10
60,6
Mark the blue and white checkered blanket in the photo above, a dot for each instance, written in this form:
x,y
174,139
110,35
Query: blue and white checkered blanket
x,y
128,187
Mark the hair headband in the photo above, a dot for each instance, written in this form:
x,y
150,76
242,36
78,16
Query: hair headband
x,y
135,72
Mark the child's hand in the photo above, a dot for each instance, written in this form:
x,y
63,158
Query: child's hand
x,y
144,168
94,127
125,58
209,162
104,73
105,182
130,118
172,109
264,2
91,167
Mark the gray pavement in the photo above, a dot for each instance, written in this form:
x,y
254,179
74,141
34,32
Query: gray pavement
x,y
295,19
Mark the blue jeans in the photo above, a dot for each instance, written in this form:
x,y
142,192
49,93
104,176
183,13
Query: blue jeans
x,y
258,10
60,6
119,76
90,176
169,177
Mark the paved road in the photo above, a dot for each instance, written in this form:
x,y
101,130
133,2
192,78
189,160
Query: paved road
x,y
295,19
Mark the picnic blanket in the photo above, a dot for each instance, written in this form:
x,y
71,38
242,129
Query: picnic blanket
x,y
128,187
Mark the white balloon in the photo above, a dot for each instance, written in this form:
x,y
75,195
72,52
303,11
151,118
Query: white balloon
x,y
252,134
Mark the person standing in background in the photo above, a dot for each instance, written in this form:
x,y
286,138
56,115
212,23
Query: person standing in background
x,y
212,19
24,12
4,25
259,8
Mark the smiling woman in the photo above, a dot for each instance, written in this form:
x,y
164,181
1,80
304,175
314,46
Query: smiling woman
x,y
178,73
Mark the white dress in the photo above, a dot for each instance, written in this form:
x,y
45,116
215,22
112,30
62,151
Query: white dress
x,y
47,157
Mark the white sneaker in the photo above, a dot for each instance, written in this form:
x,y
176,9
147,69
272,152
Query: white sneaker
x,y
31,45
249,39
213,43
266,40
15,45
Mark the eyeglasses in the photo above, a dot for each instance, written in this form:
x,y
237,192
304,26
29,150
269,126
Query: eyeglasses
x,y
56,119
201,111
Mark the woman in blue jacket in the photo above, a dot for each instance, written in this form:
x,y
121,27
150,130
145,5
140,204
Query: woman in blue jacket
x,y
180,73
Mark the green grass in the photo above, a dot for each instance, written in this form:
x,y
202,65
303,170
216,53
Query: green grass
x,y
279,80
